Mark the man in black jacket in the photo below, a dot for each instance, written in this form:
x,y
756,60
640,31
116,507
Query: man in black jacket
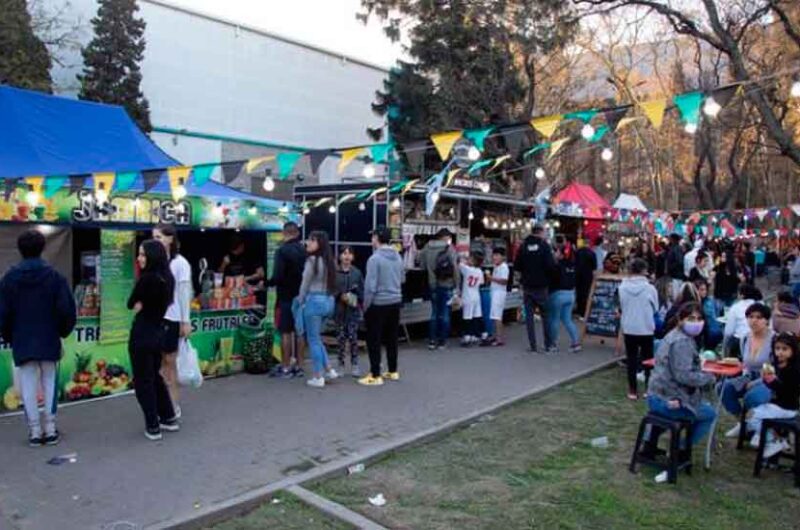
x,y
287,275
535,264
37,310
586,264
675,264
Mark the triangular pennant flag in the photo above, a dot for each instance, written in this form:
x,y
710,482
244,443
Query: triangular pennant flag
x,y
231,170
150,178
546,125
498,161
253,163
654,110
740,90
76,183
556,146
363,195
202,173
478,136
444,142
380,152
624,122
344,198
613,116
583,115
103,182
286,163
10,185
178,178
399,186
689,106
411,183
348,155
598,134
53,183
322,201
451,175
535,149
377,191
125,180
415,155
513,138
316,158
477,166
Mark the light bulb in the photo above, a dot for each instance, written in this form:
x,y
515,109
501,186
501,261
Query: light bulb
x,y
607,154
306,210
269,184
557,223
495,224
473,153
361,207
505,226
795,90
396,203
608,185
711,107
101,196
471,216
32,198
691,127
369,171
332,209
485,220
587,131
539,173
180,192
435,197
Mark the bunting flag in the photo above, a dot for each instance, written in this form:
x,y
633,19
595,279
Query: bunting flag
x,y
654,110
54,183
613,117
498,161
415,155
444,143
598,134
253,163
556,146
151,177
286,163
202,173
103,182
344,198
475,168
535,149
478,136
377,191
689,106
513,138
178,177
451,175
231,170
624,122
322,201
10,185
583,115
399,186
411,183
348,155
380,152
316,158
546,125
125,179
35,184
77,183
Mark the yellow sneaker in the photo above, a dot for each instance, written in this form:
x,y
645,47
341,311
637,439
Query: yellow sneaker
x,y
392,376
368,380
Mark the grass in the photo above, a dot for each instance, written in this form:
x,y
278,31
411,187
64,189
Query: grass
x,y
284,512
533,466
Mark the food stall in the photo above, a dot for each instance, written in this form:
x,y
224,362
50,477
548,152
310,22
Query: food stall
x,y
580,212
93,234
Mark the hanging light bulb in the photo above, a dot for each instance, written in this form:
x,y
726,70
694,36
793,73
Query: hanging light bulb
x,y
332,209
32,198
795,90
495,224
435,197
608,185
101,196
306,210
471,216
607,154
505,226
179,193
539,173
485,220
369,171
269,184
396,203
587,131
473,153
711,107
361,207
252,211
283,209
690,127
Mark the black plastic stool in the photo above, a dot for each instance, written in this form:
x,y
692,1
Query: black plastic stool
x,y
780,426
742,429
673,462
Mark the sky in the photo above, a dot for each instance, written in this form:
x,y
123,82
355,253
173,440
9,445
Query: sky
x,y
329,24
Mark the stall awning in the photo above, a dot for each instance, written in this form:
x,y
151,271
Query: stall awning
x,y
626,201
580,200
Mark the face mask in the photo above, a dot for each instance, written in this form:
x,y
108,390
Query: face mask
x,y
693,329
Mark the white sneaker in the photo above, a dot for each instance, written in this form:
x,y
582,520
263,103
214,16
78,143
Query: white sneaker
x,y
332,374
734,432
177,412
773,448
316,382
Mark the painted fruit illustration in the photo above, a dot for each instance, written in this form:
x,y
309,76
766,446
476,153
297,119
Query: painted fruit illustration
x,y
11,400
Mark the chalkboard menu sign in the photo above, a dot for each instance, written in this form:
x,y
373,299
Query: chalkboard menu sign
x,y
602,313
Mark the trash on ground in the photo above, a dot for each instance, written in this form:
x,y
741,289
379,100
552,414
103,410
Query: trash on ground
x,y
76,497
70,458
377,500
276,501
196,505
355,468
661,477
600,442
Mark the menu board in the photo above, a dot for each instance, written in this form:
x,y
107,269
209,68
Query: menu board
x,y
603,313
117,253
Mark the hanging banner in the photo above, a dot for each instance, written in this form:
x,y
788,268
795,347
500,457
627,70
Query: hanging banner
x,y
116,279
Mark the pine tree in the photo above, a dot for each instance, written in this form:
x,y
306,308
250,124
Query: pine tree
x,y
111,72
24,59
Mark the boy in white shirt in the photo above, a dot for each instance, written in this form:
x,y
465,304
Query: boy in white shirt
x,y
499,283
472,279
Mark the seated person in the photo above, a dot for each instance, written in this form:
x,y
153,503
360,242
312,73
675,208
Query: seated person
x,y
712,333
786,317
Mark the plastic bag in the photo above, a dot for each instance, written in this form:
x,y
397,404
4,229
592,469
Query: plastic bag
x,y
189,373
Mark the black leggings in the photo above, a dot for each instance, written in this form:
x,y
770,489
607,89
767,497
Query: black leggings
x,y
638,348
144,348
382,323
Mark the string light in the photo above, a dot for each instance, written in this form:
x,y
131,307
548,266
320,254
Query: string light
x,y
369,171
471,216
435,197
711,107
795,91
306,210
101,196
396,203
505,226
32,198
473,153
690,127
607,154
539,173
332,209
361,207
269,184
587,131
495,224
179,192
485,220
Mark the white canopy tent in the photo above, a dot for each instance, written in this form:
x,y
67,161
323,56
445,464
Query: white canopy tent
x,y
626,201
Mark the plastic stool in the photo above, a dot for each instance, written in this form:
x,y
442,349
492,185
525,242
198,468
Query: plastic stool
x,y
781,426
673,463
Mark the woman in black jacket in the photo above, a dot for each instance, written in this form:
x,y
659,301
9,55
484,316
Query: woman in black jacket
x,y
150,299
726,278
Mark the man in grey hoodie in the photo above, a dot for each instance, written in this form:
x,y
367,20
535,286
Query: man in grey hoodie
x,y
382,299
439,258
638,301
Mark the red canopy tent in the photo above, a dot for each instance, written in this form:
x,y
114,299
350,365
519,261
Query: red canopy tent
x,y
581,200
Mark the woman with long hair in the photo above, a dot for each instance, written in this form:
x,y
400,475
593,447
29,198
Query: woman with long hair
x,y
151,297
317,303
177,321
726,278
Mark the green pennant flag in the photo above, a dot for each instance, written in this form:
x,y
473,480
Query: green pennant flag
x,y
202,173
399,186
598,134
535,149
124,180
53,183
584,115
380,152
363,195
689,106
478,136
477,166
286,163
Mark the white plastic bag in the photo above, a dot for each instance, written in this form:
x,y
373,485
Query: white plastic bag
x,y
189,373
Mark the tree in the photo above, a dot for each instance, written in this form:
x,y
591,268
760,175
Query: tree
x,y
111,72
24,60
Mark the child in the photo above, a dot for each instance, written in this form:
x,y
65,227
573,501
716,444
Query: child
x,y
349,298
784,381
499,283
472,279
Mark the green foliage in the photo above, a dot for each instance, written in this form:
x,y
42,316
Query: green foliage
x,y
111,72
24,59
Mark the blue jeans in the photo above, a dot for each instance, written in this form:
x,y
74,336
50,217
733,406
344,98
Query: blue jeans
x,y
486,311
559,309
317,308
733,399
439,327
702,420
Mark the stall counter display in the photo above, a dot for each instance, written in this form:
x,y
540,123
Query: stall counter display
x,y
90,369
232,293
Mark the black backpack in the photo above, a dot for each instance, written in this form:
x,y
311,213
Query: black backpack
x,y
444,269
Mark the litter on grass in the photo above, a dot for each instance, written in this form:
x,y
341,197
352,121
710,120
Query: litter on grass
x,y
355,468
661,477
377,500
600,442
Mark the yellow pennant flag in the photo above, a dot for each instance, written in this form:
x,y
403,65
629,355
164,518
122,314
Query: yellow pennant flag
x,y
624,122
253,163
178,176
498,161
451,176
444,142
654,110
556,146
546,125
103,182
36,184
408,186
348,155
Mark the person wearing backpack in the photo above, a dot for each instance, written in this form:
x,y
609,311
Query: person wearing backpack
x,y
439,259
